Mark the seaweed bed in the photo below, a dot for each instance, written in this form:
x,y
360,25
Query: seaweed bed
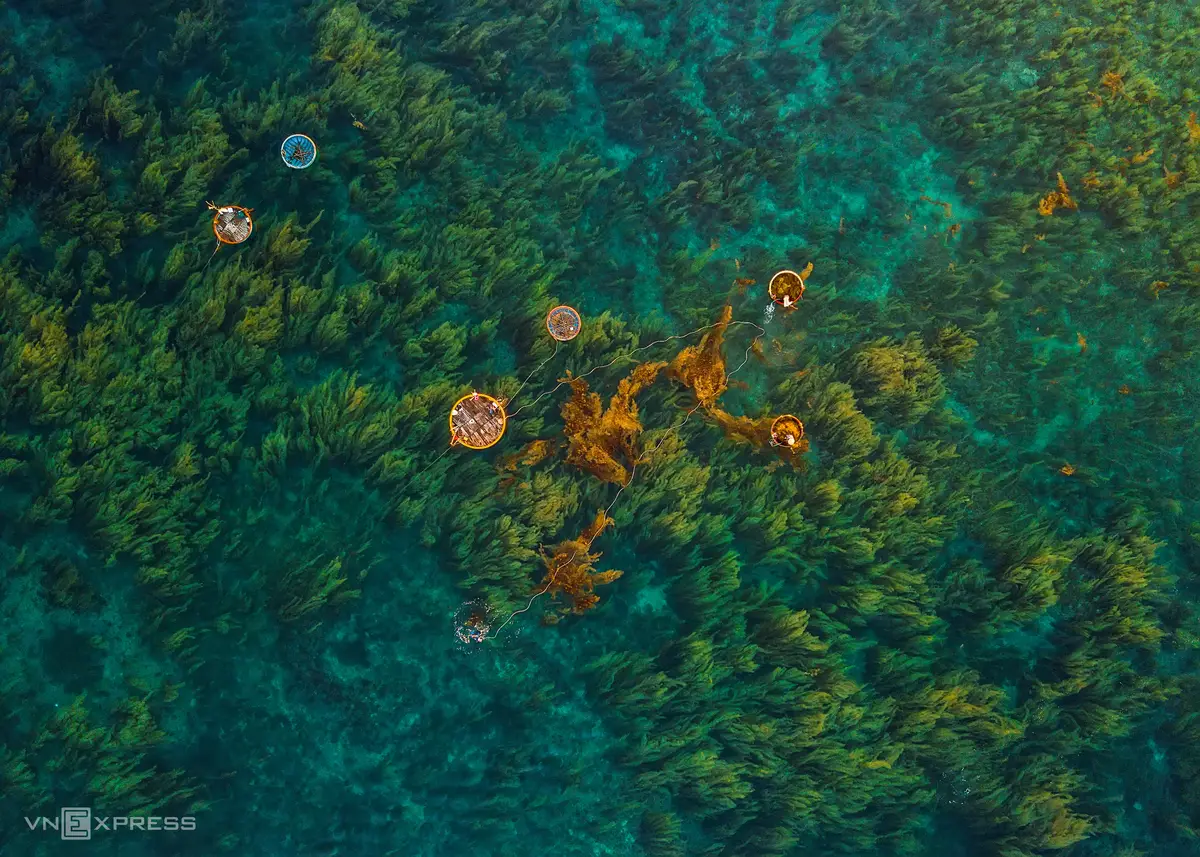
x,y
235,542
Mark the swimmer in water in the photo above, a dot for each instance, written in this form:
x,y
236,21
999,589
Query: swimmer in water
x,y
474,630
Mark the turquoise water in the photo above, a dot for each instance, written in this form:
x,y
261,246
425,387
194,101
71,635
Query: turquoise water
x,y
245,571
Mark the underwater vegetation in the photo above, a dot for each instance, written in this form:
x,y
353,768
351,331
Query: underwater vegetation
x,y
954,614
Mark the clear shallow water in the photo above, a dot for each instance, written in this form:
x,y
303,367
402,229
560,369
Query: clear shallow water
x,y
234,544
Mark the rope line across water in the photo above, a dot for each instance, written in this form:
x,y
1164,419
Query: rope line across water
x,y
634,467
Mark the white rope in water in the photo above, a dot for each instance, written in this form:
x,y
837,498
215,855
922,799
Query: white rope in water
x,y
487,635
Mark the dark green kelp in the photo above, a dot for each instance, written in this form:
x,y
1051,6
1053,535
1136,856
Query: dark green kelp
x,y
235,537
